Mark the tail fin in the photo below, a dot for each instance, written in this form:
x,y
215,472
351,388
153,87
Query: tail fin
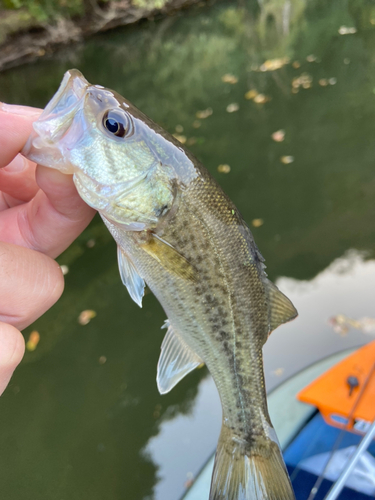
x,y
249,474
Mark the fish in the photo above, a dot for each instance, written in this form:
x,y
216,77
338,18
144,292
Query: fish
x,y
178,233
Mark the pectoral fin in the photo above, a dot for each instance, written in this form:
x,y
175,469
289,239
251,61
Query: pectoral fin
x,y
176,360
169,258
281,310
129,276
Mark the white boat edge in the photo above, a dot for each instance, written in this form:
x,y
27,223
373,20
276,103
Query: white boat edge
x,y
288,415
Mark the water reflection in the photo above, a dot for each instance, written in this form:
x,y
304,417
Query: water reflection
x,y
347,286
73,426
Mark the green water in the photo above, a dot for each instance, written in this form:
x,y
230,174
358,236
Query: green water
x,y
81,410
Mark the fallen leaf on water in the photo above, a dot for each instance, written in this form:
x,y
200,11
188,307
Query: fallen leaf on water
x,y
278,136
346,60
296,64
257,222
250,94
228,78
181,138
190,480
231,108
332,81
341,324
304,81
205,113
64,269
196,123
102,360
273,64
179,129
323,82
33,341
346,30
311,58
287,159
191,141
224,169
86,316
261,99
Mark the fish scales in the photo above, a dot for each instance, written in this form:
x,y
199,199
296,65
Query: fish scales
x,y
180,234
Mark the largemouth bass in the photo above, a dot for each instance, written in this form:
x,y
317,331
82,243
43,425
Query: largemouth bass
x,y
180,234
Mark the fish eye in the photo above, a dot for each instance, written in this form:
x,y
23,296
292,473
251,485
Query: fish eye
x,y
116,122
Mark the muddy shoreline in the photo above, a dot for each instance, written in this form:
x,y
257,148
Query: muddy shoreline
x,y
42,40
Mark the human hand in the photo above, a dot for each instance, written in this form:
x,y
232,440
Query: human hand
x,y
41,214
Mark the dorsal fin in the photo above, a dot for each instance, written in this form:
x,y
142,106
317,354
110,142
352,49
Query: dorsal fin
x,y
130,277
281,310
176,360
169,258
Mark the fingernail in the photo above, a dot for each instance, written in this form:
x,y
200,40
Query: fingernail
x,y
16,165
15,109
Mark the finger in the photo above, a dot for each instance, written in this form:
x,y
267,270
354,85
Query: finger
x,y
17,181
30,283
12,348
15,127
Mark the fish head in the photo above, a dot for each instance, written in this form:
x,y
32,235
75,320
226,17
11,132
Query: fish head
x,y
117,160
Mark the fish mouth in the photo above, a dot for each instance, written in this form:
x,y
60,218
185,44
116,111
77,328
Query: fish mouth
x,y
55,121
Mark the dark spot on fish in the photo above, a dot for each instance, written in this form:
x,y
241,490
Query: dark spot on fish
x,y
224,335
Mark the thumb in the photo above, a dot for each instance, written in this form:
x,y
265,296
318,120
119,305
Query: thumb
x,y
12,348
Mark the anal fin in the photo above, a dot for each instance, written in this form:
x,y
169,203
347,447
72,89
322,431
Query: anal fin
x,y
281,309
130,277
176,360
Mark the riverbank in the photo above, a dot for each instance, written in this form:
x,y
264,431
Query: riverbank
x,y
25,38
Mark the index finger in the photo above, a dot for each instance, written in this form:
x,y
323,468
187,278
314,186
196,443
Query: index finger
x,y
15,127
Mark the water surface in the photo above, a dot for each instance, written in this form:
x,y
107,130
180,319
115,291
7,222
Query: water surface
x,y
82,417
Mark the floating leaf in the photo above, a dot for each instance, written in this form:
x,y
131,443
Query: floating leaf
x,y
311,58
296,64
190,480
232,108
287,159
179,129
86,316
191,141
196,123
278,136
180,138
304,81
205,113
33,341
274,64
250,94
261,99
346,60
332,81
341,324
323,82
346,30
228,78
102,360
257,222
223,169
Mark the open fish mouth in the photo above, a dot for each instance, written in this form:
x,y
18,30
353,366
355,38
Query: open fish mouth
x,y
55,121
